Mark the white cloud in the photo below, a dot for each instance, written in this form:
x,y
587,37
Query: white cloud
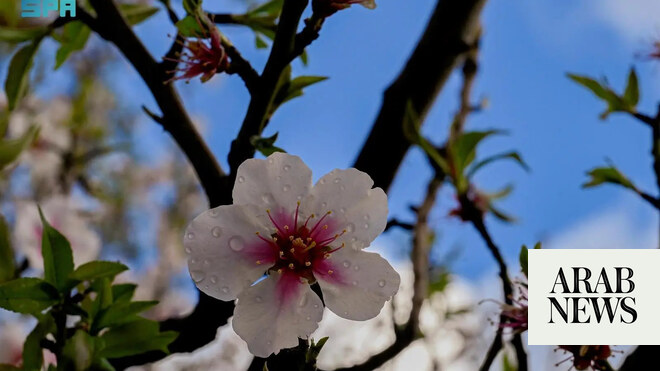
x,y
635,20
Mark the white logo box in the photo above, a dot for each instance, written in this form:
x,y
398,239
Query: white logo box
x,y
544,266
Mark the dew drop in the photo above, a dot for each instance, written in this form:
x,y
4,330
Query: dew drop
x,y
241,179
308,318
268,198
350,228
258,299
342,210
271,161
337,180
381,283
188,250
224,289
356,268
353,239
355,283
197,276
216,232
286,188
236,243
269,342
213,213
206,262
286,167
303,301
342,187
192,261
366,225
190,235
316,306
366,217
214,279
346,264
324,205
278,178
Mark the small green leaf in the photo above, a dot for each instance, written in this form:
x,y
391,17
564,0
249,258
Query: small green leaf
x,y
137,337
33,357
7,263
4,367
523,260
501,215
608,174
190,27
121,312
615,103
631,94
27,295
19,35
18,74
97,269
314,350
57,255
137,13
74,37
515,156
10,149
192,6
271,8
123,292
266,146
439,283
505,192
538,245
259,42
411,130
464,148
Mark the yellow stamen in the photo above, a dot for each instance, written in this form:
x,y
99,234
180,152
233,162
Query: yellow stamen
x,y
325,226
290,238
307,264
326,256
279,271
291,266
330,272
286,227
258,262
292,250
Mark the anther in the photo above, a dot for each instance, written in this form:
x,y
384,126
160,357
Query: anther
x,y
281,254
291,266
279,271
258,262
326,256
290,238
330,272
325,226
307,264
293,250
286,227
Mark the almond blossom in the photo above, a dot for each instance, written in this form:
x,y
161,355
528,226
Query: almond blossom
x,y
283,234
64,215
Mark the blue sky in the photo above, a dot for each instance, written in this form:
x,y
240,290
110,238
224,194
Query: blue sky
x,y
527,48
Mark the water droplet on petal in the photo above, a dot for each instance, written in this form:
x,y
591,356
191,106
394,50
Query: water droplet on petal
x,y
381,283
188,250
324,205
197,276
316,306
278,178
342,210
286,188
356,268
342,187
286,167
337,180
346,264
213,213
366,225
236,243
192,261
214,279
241,179
190,235
366,217
309,318
258,299
268,199
225,289
216,232
206,262
355,283
269,342
303,301
350,228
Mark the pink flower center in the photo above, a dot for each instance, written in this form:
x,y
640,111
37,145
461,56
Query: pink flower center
x,y
302,247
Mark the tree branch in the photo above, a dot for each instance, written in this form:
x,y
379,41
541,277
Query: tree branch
x,y
452,29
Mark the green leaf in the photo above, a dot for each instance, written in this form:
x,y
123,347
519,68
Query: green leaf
x,y
537,245
515,156
314,350
501,215
301,82
411,130
19,35
464,148
192,6
121,312
74,37
137,337
615,103
18,74
57,255
266,146
4,367
27,295
78,352
271,8
523,260
7,262
97,269
33,356
137,13
439,283
608,174
10,149
631,94
123,292
259,42
505,192
190,27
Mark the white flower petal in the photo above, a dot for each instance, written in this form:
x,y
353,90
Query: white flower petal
x,y
280,180
348,194
223,249
359,285
275,312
